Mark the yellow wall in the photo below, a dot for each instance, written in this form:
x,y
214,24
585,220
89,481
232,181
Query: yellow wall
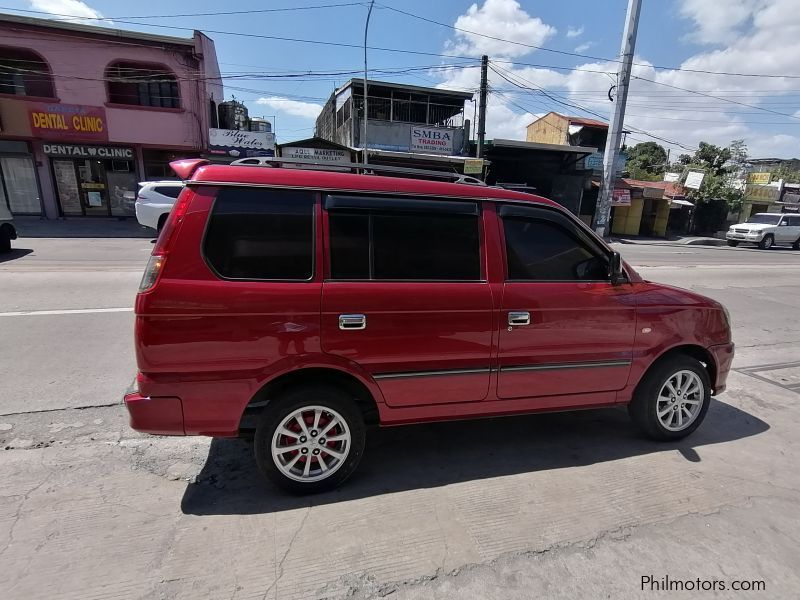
x,y
662,216
550,129
627,219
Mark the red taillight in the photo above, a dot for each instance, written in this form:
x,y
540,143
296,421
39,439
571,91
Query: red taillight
x,y
173,220
159,255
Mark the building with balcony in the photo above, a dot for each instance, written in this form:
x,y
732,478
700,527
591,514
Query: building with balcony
x,y
407,125
86,112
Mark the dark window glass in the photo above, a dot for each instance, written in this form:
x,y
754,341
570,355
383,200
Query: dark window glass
x,y
349,245
539,250
792,221
24,73
262,234
173,191
405,246
142,85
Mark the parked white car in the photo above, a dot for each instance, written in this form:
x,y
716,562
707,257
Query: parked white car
x,y
766,230
7,230
155,200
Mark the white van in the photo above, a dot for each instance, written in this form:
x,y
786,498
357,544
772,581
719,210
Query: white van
x,y
7,230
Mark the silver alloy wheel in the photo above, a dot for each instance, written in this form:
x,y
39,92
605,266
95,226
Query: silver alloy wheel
x,y
768,241
680,400
311,444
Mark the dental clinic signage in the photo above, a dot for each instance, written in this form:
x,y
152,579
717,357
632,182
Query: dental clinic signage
x,y
73,122
240,144
81,151
431,140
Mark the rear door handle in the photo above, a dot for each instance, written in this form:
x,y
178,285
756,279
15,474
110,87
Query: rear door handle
x,y
519,317
352,322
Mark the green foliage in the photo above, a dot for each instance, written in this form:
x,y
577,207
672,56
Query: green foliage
x,y
786,173
647,161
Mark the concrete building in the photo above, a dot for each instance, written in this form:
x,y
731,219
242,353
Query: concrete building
x,y
87,112
555,128
407,125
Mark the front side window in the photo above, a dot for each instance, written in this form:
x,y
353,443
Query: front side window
x,y
386,245
261,234
542,250
142,85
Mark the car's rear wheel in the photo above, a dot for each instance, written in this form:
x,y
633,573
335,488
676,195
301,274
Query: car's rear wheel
x,y
796,245
733,243
767,243
5,240
672,399
310,439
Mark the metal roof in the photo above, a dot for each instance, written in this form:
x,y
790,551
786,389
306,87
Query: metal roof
x,y
408,88
95,30
519,144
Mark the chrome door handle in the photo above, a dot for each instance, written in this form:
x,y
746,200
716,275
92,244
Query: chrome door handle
x,y
519,317
352,322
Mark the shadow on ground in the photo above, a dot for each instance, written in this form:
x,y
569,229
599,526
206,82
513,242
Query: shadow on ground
x,y
438,454
14,254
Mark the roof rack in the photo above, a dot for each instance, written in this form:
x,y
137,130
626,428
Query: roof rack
x,y
366,169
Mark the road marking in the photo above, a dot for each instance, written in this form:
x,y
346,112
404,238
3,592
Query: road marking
x,y
71,311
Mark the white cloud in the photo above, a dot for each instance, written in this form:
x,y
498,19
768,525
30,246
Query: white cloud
x,y
718,24
573,32
76,10
503,19
584,47
295,108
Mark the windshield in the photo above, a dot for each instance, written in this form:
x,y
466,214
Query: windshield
x,y
768,219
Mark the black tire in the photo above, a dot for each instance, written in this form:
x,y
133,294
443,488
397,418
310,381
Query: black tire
x,y
5,241
733,243
767,242
644,406
796,245
161,220
293,399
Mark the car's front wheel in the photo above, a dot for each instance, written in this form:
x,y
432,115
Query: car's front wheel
x,y
672,399
767,243
310,439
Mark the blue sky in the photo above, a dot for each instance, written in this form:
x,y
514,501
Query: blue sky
x,y
747,36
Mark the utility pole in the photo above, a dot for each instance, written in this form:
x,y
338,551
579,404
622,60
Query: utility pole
x,y
366,112
482,105
603,211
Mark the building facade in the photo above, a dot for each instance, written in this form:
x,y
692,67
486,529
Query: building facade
x,y
406,124
86,112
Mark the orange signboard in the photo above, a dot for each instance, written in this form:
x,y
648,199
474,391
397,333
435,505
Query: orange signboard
x,y
55,121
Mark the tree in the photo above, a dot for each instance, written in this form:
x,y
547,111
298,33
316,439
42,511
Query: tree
x,y
786,173
647,160
713,158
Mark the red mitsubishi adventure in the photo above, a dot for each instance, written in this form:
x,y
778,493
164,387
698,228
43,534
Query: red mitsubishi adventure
x,y
305,306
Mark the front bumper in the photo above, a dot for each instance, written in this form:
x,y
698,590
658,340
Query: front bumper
x,y
159,416
723,358
755,236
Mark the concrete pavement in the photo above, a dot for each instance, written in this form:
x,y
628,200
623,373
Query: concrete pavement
x,y
562,505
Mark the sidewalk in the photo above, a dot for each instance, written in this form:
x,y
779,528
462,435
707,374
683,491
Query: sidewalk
x,y
81,227
688,240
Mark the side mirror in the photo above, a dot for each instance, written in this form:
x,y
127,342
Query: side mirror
x,y
616,274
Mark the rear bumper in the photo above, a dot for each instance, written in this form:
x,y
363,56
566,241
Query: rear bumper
x,y
723,357
159,416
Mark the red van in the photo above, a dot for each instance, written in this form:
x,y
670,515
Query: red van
x,y
304,306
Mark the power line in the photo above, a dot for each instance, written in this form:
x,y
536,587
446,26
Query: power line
x,y
755,106
578,54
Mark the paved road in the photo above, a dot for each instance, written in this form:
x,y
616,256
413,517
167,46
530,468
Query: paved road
x,y
563,506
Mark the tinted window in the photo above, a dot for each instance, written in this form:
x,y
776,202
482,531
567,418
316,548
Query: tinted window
x,y
261,234
393,246
792,221
539,250
173,191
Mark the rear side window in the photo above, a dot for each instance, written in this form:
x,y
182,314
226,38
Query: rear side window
x,y
541,250
261,234
404,246
173,191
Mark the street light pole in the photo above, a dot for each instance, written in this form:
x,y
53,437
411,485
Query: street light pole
x,y
366,112
603,211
